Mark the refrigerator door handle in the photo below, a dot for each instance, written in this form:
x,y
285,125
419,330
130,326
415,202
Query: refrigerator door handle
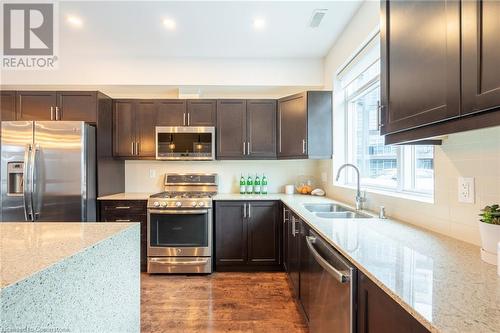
x,y
34,152
28,207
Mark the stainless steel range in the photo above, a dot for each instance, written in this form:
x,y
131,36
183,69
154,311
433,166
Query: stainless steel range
x,y
180,224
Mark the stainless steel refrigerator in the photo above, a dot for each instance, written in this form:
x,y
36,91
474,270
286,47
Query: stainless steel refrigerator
x,y
48,171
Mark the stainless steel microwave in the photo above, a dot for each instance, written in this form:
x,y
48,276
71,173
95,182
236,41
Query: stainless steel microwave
x,y
185,143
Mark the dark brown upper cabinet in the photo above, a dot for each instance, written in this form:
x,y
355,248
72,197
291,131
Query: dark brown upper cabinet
x,y
171,112
480,56
7,105
62,105
36,105
246,129
247,235
420,67
305,126
201,112
134,128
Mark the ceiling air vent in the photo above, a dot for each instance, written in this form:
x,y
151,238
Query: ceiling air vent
x,y
317,17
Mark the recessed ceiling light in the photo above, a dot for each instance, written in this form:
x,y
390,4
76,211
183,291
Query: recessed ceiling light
x,y
259,23
169,24
74,20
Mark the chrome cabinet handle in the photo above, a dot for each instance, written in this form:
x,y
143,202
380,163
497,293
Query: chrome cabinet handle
x,y
244,148
279,125
244,210
249,211
284,215
303,146
338,275
293,226
379,115
137,148
122,207
52,113
122,220
248,148
133,148
184,118
57,113
189,120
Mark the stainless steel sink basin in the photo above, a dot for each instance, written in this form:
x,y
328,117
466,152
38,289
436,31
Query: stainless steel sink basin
x,y
325,208
342,215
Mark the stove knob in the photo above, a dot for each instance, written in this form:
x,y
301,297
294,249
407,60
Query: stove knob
x,y
201,204
163,204
193,203
156,203
178,204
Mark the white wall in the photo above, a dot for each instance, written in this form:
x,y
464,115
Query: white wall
x,y
279,173
469,154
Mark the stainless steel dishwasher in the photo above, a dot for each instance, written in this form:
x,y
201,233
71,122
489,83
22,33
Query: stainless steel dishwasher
x,y
330,286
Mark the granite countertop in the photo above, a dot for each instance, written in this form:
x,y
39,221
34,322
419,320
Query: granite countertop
x,y
441,281
126,196
28,248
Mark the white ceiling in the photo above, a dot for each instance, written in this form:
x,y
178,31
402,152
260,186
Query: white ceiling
x,y
204,29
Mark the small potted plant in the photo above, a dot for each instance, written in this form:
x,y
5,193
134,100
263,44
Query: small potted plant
x,y
489,228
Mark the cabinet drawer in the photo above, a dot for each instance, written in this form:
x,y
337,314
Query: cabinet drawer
x,y
123,207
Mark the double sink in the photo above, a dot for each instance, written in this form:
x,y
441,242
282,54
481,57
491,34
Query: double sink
x,y
335,211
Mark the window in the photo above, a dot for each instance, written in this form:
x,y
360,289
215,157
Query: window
x,y
391,168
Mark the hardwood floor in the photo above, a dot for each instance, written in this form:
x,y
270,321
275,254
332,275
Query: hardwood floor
x,y
221,302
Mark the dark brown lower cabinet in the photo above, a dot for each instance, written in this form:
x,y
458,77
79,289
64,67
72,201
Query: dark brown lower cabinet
x,y
128,211
293,253
379,313
247,236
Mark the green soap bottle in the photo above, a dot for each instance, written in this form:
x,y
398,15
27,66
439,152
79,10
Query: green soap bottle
x,y
249,189
256,185
263,189
243,187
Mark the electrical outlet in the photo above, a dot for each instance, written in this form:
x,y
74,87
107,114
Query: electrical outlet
x,y
466,192
152,173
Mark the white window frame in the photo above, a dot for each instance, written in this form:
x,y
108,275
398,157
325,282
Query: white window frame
x,y
405,155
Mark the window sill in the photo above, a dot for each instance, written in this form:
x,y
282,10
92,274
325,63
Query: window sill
x,y
389,193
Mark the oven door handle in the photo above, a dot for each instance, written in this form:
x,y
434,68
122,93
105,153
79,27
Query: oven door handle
x,y
179,263
179,212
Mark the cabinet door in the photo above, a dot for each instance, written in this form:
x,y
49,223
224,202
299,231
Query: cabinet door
x,y
379,313
7,105
261,126
36,105
231,129
145,122
263,233
480,55
292,126
293,253
230,234
420,63
171,112
77,106
202,112
123,128
286,227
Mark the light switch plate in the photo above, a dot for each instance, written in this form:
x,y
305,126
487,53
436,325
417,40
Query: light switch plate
x,y
152,173
466,190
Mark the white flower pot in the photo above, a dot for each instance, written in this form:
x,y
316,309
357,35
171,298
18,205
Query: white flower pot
x,y
490,236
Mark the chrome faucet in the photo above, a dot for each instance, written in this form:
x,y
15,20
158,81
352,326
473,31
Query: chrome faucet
x,y
359,198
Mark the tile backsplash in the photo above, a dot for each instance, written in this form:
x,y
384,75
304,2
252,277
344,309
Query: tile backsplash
x,y
468,154
279,173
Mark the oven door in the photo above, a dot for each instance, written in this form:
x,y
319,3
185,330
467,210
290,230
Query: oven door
x,y
185,143
180,233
